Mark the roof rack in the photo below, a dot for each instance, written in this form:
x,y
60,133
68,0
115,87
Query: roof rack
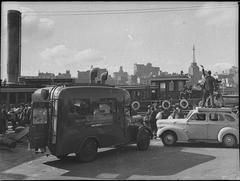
x,y
222,109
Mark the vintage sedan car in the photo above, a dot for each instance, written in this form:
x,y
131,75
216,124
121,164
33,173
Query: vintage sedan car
x,y
201,125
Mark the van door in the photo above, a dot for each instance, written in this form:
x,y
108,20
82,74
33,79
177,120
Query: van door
x,y
108,120
39,127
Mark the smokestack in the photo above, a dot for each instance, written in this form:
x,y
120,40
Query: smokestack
x,y
14,46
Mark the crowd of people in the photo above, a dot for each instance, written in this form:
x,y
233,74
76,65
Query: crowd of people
x,y
17,115
157,112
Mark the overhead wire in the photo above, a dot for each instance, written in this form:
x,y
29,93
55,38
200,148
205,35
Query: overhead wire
x,y
119,11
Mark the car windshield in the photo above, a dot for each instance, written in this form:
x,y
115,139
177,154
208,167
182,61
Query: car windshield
x,y
188,115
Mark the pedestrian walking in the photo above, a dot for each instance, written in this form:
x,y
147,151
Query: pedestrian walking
x,y
153,121
3,119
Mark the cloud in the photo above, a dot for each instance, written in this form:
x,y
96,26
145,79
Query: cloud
x,y
33,26
218,14
63,58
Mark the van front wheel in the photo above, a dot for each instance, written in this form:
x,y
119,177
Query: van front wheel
x,y
143,139
62,157
88,151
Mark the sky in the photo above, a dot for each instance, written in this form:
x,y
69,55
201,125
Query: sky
x,y
59,36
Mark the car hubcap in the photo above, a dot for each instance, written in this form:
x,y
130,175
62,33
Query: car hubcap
x,y
229,141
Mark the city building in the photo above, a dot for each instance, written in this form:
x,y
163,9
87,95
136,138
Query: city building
x,y
64,75
193,71
142,70
143,73
83,77
120,77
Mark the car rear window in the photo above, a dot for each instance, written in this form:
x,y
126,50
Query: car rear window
x,y
229,117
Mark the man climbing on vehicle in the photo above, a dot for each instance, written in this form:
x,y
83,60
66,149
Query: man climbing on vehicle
x,y
208,87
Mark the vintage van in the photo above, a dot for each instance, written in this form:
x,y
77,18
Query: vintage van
x,y
82,118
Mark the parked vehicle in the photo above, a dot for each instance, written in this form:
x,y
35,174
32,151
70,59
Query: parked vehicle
x,y
219,125
81,119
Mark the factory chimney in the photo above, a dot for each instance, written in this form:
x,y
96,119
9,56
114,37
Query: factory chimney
x,y
14,46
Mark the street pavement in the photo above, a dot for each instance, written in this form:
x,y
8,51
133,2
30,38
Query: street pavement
x,y
183,161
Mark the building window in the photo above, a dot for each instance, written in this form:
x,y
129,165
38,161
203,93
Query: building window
x,y
153,83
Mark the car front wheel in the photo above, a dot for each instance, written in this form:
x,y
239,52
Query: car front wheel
x,y
88,151
169,138
229,140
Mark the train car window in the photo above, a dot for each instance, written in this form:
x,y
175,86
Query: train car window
x,y
171,86
180,85
162,86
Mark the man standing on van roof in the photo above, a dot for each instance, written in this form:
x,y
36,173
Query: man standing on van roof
x,y
208,87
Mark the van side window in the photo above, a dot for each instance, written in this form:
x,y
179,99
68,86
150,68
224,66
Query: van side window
x,y
103,111
80,108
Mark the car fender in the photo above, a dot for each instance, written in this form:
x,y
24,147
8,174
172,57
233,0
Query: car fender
x,y
228,130
181,134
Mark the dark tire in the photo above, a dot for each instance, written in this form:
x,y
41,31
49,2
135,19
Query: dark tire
x,y
143,139
169,138
62,157
229,141
88,151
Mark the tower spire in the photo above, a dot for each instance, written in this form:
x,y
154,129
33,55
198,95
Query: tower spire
x,y
194,59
